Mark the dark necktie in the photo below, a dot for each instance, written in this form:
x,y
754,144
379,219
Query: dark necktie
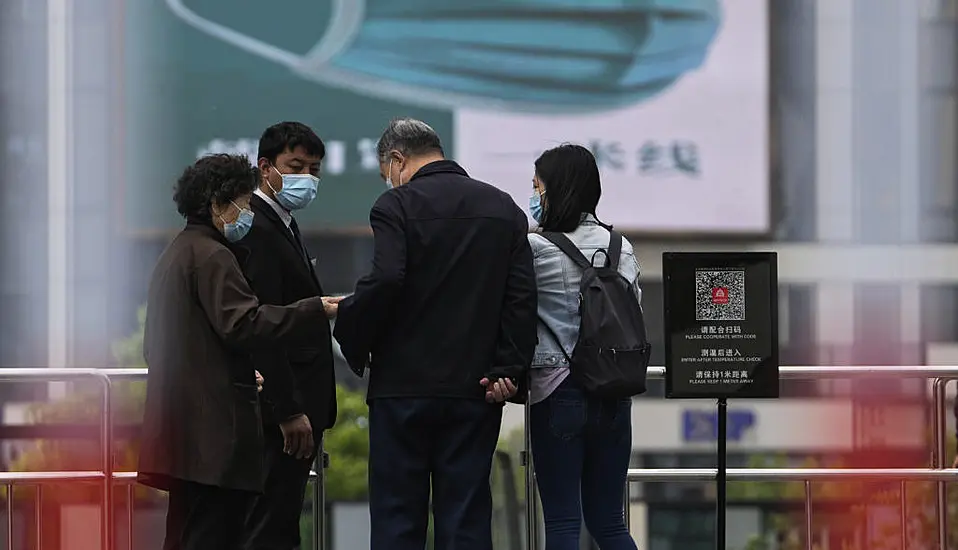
x,y
294,227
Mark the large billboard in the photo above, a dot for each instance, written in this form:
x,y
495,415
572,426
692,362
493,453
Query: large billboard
x,y
671,95
679,127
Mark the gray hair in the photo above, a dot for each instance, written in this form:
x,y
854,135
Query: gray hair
x,y
410,137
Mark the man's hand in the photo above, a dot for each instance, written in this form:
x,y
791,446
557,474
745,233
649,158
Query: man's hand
x,y
498,391
297,436
331,305
955,464
259,381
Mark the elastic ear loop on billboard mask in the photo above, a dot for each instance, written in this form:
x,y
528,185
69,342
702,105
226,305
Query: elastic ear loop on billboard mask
x,y
344,25
316,65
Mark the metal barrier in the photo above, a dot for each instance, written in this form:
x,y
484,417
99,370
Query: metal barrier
x,y
106,476
129,480
317,476
937,473
109,479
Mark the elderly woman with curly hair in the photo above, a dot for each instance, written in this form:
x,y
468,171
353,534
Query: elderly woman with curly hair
x,y
202,438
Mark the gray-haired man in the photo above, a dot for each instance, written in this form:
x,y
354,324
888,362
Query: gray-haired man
x,y
446,323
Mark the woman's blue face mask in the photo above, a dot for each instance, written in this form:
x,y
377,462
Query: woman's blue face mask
x,y
561,56
235,231
535,206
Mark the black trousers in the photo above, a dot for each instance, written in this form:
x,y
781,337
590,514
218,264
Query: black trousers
x,y
273,522
203,517
450,442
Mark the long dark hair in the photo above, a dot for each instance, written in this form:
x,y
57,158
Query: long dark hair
x,y
571,179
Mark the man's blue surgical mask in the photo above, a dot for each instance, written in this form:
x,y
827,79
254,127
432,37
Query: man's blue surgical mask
x,y
235,231
535,206
389,176
298,190
562,56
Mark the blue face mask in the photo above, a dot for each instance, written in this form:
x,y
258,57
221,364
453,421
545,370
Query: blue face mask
x,y
235,231
535,206
514,55
298,190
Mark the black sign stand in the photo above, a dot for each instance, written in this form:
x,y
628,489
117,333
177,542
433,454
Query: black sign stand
x,y
721,499
721,339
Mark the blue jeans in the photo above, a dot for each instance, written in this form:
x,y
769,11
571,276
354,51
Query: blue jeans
x,y
581,447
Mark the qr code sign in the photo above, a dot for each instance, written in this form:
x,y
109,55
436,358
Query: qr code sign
x,y
719,295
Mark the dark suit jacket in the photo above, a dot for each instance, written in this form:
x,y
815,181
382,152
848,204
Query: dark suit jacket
x,y
451,296
297,379
202,417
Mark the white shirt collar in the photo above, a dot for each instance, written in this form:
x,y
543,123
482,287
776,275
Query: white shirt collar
x,y
280,211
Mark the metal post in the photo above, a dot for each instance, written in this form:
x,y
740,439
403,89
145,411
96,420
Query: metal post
x,y
38,517
903,505
936,430
106,521
319,498
130,498
9,516
532,525
808,515
627,507
941,452
720,496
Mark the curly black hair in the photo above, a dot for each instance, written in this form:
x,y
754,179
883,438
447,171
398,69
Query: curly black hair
x,y
213,179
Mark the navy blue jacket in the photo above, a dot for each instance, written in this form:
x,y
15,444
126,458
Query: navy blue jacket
x,y
451,296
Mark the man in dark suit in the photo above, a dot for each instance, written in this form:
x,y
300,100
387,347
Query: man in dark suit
x,y
202,440
299,389
446,322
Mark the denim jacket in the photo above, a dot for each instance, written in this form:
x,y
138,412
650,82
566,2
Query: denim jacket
x,y
557,278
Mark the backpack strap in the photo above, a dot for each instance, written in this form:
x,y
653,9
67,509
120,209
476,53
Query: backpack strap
x,y
615,249
568,247
612,253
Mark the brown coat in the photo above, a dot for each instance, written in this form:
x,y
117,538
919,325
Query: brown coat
x,y
202,419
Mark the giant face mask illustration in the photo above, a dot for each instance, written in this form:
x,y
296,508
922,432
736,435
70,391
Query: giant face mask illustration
x,y
562,56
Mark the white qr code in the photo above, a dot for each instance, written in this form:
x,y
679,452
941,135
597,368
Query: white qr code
x,y
719,295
